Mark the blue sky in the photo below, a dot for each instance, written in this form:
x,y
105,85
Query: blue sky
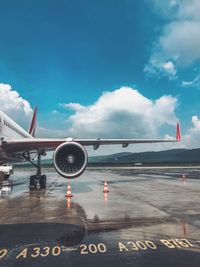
x,y
63,51
70,48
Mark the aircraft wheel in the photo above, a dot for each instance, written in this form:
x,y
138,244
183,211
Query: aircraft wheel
x,y
2,176
33,182
7,176
43,181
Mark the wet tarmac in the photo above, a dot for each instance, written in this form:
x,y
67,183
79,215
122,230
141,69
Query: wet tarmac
x,y
150,217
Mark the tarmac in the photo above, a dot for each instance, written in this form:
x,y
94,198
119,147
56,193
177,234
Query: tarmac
x,y
150,217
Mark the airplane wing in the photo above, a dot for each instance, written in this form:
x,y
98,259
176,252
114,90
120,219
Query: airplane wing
x,y
32,144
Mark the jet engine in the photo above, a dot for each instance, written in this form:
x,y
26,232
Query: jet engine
x,y
70,159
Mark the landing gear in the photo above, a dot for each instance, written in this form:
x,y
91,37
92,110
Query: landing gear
x,y
2,176
43,181
38,178
35,180
7,176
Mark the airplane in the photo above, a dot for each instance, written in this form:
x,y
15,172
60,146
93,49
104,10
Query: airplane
x,y
70,156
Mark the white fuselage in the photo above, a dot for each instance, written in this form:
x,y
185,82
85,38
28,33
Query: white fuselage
x,y
10,130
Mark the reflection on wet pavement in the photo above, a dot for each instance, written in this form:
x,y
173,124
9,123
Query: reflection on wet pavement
x,y
144,219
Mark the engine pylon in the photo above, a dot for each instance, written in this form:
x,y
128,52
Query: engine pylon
x,y
69,193
105,188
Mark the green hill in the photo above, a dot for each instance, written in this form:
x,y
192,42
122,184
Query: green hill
x,y
168,156
173,156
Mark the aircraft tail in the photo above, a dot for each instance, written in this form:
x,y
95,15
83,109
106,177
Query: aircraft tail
x,y
178,132
32,126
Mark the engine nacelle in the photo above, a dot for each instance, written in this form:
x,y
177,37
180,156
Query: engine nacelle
x,y
70,159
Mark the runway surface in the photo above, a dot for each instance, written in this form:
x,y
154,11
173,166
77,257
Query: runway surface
x,y
150,217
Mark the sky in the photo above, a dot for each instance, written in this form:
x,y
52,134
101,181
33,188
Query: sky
x,y
111,69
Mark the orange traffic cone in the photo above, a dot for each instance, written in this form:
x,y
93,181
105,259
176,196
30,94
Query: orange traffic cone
x,y
68,202
105,198
69,193
105,188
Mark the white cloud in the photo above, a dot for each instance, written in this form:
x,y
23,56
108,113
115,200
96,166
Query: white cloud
x,y
122,113
50,133
189,9
192,137
193,83
179,41
160,69
169,68
75,106
164,8
19,109
14,105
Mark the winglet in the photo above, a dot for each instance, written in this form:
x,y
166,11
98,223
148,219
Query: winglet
x,y
32,126
178,132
